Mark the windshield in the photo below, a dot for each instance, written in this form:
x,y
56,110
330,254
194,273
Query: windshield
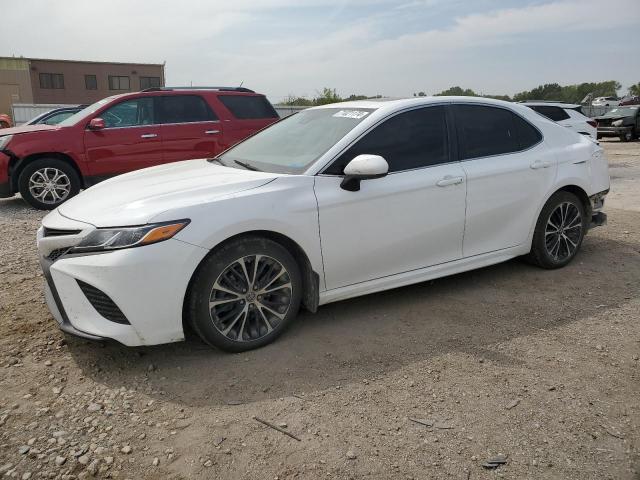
x,y
293,144
85,112
622,112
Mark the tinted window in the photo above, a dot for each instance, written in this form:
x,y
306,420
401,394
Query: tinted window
x,y
185,108
554,113
526,133
149,82
409,140
138,111
90,82
245,107
118,83
51,80
484,131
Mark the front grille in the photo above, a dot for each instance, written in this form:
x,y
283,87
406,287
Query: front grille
x,y
57,232
102,303
57,253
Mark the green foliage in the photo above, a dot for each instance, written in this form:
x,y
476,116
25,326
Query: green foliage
x,y
457,92
328,95
569,93
634,89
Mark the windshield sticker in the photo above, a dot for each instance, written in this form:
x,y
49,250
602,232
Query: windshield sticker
x,y
357,114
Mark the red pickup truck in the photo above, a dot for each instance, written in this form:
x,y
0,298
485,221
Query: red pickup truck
x,y
50,164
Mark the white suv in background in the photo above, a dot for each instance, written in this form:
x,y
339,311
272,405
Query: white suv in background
x,y
568,115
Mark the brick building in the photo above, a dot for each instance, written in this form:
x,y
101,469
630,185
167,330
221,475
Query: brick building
x,y
35,80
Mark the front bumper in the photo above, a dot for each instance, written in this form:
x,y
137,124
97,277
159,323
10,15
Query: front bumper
x,y
5,186
148,284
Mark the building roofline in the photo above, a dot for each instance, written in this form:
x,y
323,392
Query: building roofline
x,y
81,61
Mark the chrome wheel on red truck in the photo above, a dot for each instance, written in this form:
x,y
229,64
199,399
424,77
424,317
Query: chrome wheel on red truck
x,y
48,182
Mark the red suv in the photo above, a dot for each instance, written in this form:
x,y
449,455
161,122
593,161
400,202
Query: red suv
x,y
49,164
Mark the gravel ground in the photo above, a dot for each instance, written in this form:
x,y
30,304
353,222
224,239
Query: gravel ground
x,y
427,381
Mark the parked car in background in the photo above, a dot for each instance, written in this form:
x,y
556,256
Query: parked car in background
x,y
55,116
566,114
605,102
630,100
334,202
622,122
49,164
5,121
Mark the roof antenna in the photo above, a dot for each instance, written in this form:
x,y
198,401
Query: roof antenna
x,y
241,83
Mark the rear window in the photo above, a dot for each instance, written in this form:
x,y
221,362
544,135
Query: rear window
x,y
246,107
553,113
485,131
184,109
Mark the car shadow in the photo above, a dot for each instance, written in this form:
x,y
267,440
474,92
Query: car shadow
x,y
365,337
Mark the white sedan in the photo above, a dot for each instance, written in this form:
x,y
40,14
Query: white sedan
x,y
331,203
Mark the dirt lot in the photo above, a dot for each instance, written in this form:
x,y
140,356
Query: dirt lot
x,y
541,366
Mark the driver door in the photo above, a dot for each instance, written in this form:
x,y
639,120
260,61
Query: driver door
x,y
410,219
130,140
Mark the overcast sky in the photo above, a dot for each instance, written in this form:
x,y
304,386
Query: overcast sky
x,y
393,48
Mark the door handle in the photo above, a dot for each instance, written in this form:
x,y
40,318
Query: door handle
x,y
540,164
149,135
449,180
211,132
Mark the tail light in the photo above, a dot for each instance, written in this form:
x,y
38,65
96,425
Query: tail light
x,y
593,123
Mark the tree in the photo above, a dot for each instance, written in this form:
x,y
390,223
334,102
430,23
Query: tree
x,y
569,93
457,92
634,89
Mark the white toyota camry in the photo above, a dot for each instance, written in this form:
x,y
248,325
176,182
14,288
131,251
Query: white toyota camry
x,y
334,202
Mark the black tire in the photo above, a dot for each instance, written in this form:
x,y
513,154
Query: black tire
x,y
69,179
252,325
543,244
4,124
624,138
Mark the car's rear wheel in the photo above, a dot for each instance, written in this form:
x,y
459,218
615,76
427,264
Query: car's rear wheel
x,y
47,182
244,294
559,231
4,124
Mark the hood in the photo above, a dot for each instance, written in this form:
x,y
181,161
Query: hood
x,y
27,129
612,117
137,197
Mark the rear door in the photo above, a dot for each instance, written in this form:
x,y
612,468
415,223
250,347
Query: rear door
x,y
509,170
130,140
249,113
190,128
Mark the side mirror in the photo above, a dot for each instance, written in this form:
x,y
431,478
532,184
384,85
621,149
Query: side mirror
x,y
96,124
363,167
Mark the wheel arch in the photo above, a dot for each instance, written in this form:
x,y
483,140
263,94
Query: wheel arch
x,y
310,278
17,165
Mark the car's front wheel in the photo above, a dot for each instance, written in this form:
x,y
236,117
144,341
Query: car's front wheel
x,y
47,182
244,294
559,231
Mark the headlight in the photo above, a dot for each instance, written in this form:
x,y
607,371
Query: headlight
x,y
617,123
106,239
4,141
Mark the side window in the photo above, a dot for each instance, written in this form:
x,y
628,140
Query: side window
x,y
526,133
554,113
129,113
246,107
414,139
185,109
484,131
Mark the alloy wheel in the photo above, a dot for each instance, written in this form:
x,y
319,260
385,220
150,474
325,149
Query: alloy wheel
x,y
49,185
563,231
250,298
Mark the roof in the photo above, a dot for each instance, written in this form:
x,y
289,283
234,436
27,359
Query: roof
x,y
394,104
82,61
